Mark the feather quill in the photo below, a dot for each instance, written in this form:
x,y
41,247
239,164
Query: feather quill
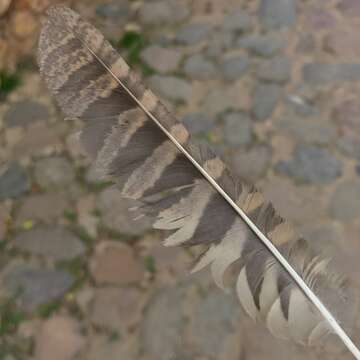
x,y
185,188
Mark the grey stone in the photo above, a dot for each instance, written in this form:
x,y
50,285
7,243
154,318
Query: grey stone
x,y
163,12
238,21
311,164
217,101
197,67
301,106
275,14
114,10
37,286
310,131
23,113
252,164
220,42
198,122
306,44
53,172
237,129
263,45
321,73
345,204
57,243
161,314
265,99
217,311
14,181
161,59
193,33
275,70
171,87
116,214
234,67
348,146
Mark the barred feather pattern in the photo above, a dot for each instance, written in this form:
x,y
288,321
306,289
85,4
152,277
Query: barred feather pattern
x,y
92,82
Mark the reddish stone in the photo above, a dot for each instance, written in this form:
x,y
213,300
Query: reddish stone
x,y
343,43
317,18
350,7
115,263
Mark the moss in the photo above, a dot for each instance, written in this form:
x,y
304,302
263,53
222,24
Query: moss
x,y
150,265
10,316
46,310
70,215
134,43
8,82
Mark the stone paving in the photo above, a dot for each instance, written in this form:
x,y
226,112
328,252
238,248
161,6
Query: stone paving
x,y
273,85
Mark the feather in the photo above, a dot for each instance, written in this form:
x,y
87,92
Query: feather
x,y
135,142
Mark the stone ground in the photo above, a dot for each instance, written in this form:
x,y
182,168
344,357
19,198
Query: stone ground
x,y
272,84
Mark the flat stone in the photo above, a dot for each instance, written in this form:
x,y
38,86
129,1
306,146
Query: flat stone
x,y
348,146
275,14
343,43
23,113
252,164
265,99
197,67
54,172
163,12
37,286
198,123
234,67
346,114
319,18
322,73
275,70
40,207
217,311
237,129
238,21
55,242
193,34
117,216
14,181
344,204
115,11
115,263
350,7
311,164
220,42
171,87
301,106
306,44
116,309
263,45
164,315
59,338
311,131
162,60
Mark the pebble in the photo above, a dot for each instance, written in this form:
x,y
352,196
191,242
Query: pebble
x,y
23,24
40,207
193,34
311,131
263,45
14,181
251,165
265,99
301,106
221,313
171,87
117,216
4,6
275,14
311,164
59,338
344,204
57,243
164,315
117,309
114,263
234,67
198,123
238,21
275,70
38,286
323,73
197,67
54,172
162,60
237,129
25,112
